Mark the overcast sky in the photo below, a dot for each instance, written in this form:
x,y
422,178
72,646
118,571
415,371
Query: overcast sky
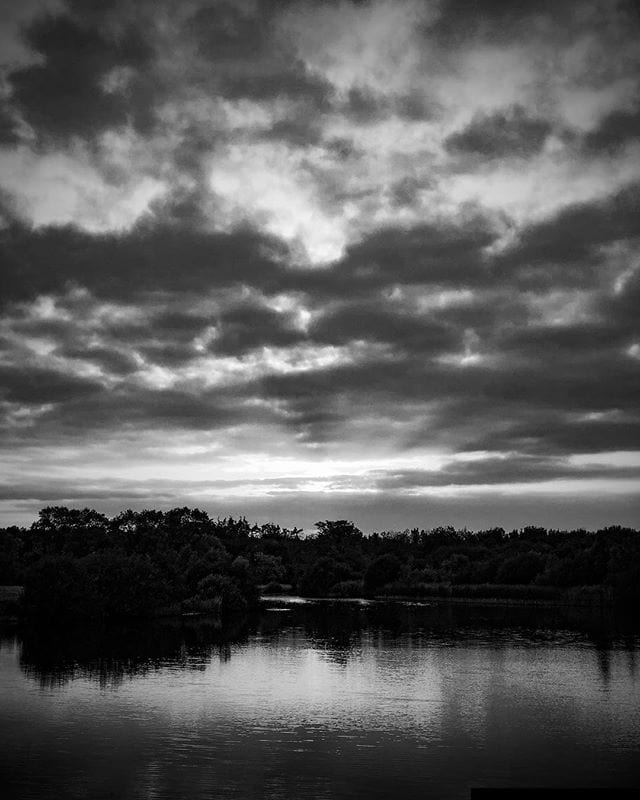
x,y
307,260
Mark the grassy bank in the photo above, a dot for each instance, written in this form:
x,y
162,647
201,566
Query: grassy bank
x,y
524,594
505,593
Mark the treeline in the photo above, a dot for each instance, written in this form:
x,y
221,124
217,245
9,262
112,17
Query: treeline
x,y
146,563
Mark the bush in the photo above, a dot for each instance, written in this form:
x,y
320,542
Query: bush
x,y
521,568
347,589
56,586
489,591
402,589
381,571
224,592
322,575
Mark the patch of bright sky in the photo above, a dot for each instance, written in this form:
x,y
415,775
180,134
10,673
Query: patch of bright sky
x,y
530,191
570,487
268,184
158,462
625,458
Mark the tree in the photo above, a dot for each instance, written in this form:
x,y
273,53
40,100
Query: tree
x,y
322,575
57,518
521,568
381,571
338,530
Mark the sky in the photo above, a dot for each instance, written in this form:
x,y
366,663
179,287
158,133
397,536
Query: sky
x,y
316,260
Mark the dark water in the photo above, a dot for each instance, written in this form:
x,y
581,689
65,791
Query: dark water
x,y
323,700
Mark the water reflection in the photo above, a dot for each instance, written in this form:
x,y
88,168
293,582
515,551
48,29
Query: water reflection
x,y
335,629
323,700
111,654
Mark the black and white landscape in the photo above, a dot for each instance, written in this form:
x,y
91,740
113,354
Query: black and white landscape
x,y
319,396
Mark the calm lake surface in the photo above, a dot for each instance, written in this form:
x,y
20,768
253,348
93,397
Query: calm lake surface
x,y
323,700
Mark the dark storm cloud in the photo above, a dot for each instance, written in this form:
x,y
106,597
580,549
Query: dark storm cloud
x,y
614,131
580,341
67,94
514,402
363,105
60,491
299,129
294,83
622,306
102,66
249,61
413,106
159,256
376,321
322,401
249,326
177,324
111,361
502,21
80,408
512,468
441,326
593,384
225,32
168,337
33,384
8,126
147,259
549,431
405,191
522,397
165,338
502,134
571,239
446,253
161,491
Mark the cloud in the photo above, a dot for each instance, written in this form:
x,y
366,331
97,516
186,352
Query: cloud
x,y
500,134
569,243
246,327
381,322
503,468
31,384
614,131
147,259
504,22
252,60
376,237
85,82
439,252
58,189
8,127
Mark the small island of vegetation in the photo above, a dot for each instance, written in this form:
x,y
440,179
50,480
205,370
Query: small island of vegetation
x,y
81,563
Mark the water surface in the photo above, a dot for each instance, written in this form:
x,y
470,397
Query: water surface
x,y
322,700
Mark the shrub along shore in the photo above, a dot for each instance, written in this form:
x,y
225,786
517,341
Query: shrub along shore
x,y
80,563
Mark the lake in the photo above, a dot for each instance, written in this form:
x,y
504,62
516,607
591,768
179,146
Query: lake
x,y
323,699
